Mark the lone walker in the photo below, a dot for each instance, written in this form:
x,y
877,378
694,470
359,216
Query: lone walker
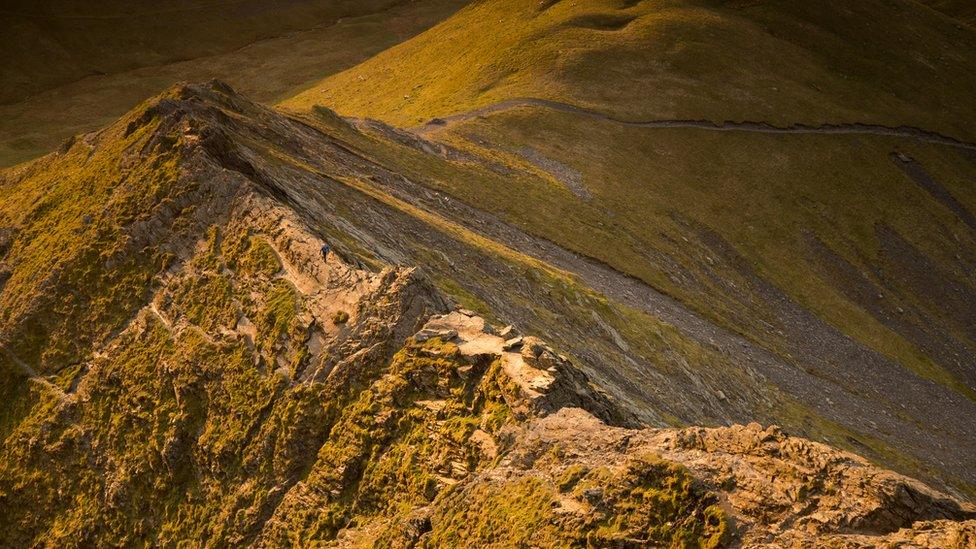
x,y
325,252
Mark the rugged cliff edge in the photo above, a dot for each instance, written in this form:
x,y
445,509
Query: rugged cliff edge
x,y
182,360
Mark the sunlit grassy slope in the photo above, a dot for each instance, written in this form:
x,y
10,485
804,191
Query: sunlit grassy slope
x,y
666,202
892,62
832,222
91,65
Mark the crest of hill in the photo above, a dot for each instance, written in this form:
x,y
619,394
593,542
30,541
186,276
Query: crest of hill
x,y
893,63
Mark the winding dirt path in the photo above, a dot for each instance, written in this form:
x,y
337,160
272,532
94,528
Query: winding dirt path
x,y
908,132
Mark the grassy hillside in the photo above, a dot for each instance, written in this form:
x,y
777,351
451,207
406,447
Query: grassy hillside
x,y
790,206
785,204
92,65
180,360
889,62
849,254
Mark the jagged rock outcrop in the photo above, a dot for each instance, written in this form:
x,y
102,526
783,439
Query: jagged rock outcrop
x,y
547,380
566,476
777,490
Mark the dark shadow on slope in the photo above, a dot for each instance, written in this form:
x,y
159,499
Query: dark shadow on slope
x,y
916,172
883,297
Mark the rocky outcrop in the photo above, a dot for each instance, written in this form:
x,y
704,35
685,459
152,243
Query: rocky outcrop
x,y
578,479
553,472
546,380
778,490
796,488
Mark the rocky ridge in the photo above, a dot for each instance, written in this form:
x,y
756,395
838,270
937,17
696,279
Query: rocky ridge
x,y
198,368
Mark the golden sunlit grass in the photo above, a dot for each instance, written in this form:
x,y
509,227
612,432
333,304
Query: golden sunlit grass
x,y
763,194
781,62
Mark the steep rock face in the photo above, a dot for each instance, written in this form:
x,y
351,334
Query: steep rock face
x,y
740,491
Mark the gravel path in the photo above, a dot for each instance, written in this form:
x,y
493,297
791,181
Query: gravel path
x,y
908,132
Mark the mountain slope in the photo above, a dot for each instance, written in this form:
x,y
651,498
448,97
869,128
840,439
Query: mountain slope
x,y
231,384
798,175
61,42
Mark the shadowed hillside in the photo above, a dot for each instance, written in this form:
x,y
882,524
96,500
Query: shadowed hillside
x,y
60,42
92,62
959,9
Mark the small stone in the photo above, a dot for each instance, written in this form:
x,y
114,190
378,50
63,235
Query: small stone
x,y
509,332
512,344
467,312
458,469
532,348
428,334
593,495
